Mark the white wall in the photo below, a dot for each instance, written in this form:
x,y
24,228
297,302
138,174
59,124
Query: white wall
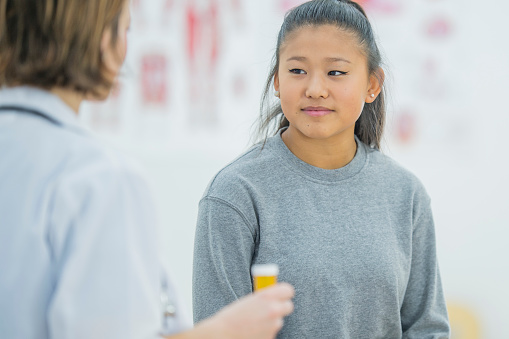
x,y
449,86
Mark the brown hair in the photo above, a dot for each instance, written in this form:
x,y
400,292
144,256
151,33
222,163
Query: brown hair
x,y
56,43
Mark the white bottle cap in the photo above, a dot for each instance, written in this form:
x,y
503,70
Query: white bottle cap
x,y
265,270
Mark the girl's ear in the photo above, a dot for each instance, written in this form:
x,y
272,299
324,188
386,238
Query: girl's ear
x,y
376,80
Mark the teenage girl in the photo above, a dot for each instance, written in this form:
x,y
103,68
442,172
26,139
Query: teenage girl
x,y
349,228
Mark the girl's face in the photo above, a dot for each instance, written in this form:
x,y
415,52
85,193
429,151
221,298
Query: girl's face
x,y
323,82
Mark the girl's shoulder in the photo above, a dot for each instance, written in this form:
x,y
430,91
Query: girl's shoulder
x,y
389,170
244,171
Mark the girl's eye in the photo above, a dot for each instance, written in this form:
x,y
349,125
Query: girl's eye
x,y
337,73
297,71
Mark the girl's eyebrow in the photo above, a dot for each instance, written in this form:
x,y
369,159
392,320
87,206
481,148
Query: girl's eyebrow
x,y
297,58
337,60
301,58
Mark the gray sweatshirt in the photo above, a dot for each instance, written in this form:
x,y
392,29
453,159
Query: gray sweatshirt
x,y
357,243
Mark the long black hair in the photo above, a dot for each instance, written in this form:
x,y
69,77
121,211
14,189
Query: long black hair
x,y
350,17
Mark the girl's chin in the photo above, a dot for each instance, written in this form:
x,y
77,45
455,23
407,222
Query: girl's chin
x,y
319,134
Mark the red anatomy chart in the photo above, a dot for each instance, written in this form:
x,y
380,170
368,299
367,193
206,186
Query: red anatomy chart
x,y
285,5
203,50
154,82
439,27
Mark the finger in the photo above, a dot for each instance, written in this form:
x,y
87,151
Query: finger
x,y
279,324
281,309
287,307
281,291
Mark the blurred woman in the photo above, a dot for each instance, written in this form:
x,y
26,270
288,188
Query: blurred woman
x,y
78,255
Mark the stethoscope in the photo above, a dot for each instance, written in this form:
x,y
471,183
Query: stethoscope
x,y
170,321
168,308
30,111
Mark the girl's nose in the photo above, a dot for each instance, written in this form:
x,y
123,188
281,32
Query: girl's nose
x,y
317,88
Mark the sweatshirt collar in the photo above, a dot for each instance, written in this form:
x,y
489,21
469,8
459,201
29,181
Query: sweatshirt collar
x,y
316,173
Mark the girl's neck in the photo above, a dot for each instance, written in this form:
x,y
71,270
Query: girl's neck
x,y
72,98
331,153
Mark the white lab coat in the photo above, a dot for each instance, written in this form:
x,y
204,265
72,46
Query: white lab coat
x,y
78,243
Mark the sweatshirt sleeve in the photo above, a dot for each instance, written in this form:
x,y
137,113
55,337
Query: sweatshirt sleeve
x,y
424,313
223,250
